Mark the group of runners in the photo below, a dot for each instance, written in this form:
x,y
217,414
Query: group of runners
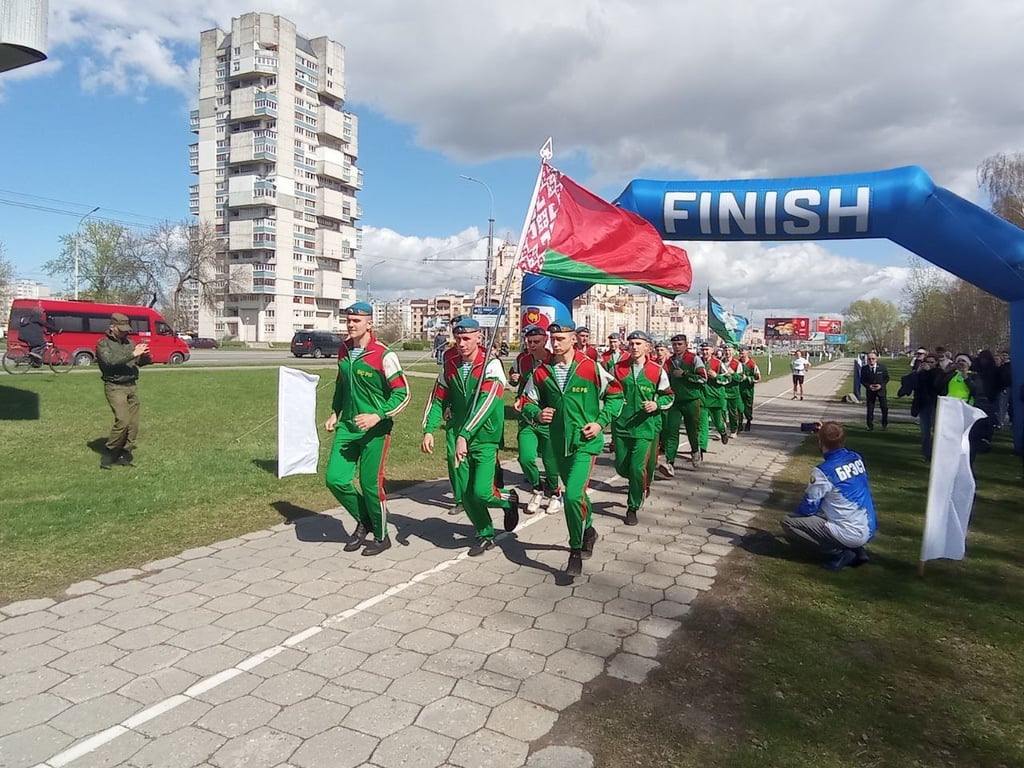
x,y
567,395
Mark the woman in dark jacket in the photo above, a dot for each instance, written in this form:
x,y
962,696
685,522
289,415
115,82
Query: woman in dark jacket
x,y
924,384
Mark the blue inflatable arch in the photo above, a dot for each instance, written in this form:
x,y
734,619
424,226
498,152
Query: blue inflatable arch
x,y
903,205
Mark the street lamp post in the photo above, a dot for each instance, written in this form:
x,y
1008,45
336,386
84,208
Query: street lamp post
x,y
366,279
77,236
490,241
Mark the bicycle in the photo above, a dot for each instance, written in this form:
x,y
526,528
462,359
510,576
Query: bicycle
x,y
18,359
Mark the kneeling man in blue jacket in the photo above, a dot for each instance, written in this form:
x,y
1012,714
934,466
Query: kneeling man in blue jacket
x,y
836,517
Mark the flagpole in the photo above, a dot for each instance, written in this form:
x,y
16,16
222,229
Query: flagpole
x,y
545,155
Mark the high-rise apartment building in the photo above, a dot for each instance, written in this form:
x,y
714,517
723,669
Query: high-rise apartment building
x,y
277,178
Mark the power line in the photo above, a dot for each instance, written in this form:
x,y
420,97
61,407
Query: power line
x,y
59,211
82,205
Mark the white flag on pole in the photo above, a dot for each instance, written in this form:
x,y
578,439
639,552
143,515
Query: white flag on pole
x,y
298,445
950,482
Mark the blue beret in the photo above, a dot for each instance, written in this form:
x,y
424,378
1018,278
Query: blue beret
x,y
562,326
584,329
360,308
638,335
467,324
614,336
534,330
679,337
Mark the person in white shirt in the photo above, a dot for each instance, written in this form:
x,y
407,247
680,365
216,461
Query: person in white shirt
x,y
800,366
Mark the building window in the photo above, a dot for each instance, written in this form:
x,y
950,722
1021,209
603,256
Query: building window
x,y
268,328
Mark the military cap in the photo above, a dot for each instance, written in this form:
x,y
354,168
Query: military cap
x,y
562,326
534,330
639,335
679,337
360,308
466,325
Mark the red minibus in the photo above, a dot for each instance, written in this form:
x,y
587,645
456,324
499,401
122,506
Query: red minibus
x,y
83,323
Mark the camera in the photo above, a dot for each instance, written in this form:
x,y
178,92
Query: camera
x,y
809,426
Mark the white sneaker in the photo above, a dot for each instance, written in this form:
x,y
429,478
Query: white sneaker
x,y
534,506
666,469
555,505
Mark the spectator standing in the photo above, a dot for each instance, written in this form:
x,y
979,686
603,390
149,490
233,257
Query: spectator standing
x,y
923,384
119,359
583,343
875,378
1005,383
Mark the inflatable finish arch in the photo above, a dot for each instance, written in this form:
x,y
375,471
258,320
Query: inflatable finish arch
x,y
903,205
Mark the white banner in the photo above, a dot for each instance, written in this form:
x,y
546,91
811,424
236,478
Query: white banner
x,y
298,444
950,482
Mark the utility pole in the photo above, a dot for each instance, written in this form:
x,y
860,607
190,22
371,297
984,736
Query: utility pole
x,y
77,236
490,241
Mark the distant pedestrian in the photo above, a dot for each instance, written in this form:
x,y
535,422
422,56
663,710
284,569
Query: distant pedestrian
x,y
119,359
875,378
800,365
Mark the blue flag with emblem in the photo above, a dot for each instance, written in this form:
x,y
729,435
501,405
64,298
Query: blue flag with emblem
x,y
729,327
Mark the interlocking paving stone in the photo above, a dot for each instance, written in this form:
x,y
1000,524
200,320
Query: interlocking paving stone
x,y
413,747
381,716
23,714
186,746
339,747
421,687
561,757
94,715
575,665
149,689
239,716
23,685
551,691
521,719
289,687
31,746
262,748
310,717
488,749
23,607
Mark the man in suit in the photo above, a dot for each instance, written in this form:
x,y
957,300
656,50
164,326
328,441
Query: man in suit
x,y
875,377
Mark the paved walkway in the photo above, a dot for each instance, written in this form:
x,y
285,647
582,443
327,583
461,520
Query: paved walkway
x,y
278,649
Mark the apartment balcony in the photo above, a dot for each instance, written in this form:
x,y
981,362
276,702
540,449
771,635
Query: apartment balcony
x,y
193,206
193,157
333,244
330,203
193,121
249,190
247,146
330,122
252,102
329,284
260,63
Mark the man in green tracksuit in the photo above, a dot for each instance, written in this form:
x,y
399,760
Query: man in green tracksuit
x,y
713,398
645,394
119,359
751,375
577,398
471,387
370,390
533,437
733,376
687,377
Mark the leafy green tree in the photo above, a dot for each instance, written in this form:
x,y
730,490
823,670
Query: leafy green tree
x,y
876,323
113,264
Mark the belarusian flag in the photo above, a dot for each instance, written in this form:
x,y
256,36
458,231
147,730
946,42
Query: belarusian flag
x,y
575,235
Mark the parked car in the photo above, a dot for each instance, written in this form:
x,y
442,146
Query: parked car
x,y
315,344
202,342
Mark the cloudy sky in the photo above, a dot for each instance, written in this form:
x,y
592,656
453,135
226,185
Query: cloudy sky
x,y
680,89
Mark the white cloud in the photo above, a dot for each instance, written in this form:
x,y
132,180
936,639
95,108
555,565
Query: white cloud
x,y
675,87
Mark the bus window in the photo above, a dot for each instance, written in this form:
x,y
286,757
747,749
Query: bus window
x,y
66,322
163,329
97,323
140,324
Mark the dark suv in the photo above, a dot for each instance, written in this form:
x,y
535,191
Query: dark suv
x,y
315,343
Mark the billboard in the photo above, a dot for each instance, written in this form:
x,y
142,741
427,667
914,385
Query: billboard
x,y
787,328
836,338
488,317
830,326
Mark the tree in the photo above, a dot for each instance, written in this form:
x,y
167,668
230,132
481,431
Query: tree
x,y
184,259
1002,178
876,323
6,273
112,264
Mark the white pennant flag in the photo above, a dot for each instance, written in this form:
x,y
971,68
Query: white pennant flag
x,y
298,444
950,482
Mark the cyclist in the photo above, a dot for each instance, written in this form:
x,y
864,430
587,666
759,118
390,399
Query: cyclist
x,y
32,331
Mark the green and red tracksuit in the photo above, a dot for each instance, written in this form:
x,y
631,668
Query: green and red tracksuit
x,y
589,394
733,404
714,402
480,420
751,374
634,431
370,380
590,351
533,438
687,377
610,359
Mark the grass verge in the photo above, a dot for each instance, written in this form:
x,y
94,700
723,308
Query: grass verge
x,y
784,664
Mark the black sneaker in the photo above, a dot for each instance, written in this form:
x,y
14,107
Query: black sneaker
x,y
512,510
376,547
589,540
861,556
747,427
575,565
840,561
358,538
125,459
482,545
106,459
725,439
631,517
